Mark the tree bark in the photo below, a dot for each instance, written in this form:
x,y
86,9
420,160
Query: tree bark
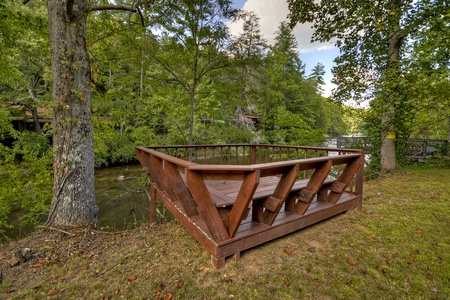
x,y
388,151
388,157
73,202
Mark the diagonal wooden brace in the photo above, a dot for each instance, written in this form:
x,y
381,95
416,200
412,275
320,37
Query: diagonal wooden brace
x,y
307,194
280,194
338,187
243,199
206,207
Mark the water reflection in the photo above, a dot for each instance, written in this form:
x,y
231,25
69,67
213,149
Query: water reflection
x,y
121,197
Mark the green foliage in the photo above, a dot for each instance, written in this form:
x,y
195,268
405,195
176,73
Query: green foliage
x,y
183,80
27,181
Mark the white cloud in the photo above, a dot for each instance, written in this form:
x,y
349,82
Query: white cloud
x,y
271,14
328,88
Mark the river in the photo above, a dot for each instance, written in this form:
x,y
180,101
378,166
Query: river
x,y
121,197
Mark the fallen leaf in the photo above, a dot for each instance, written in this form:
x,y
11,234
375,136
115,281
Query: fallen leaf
x,y
168,296
132,278
10,290
351,261
291,251
84,267
156,293
52,292
178,285
286,283
40,263
161,286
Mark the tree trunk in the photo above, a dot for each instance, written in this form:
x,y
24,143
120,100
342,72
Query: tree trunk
x,y
388,155
73,202
37,125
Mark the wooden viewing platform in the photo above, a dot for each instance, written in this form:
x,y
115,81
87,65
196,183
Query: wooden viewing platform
x,y
235,197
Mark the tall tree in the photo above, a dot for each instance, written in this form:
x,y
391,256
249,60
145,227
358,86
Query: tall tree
x,y
25,57
73,202
249,50
194,40
372,38
293,105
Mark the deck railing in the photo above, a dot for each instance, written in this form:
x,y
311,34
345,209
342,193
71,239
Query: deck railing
x,y
250,154
211,188
245,154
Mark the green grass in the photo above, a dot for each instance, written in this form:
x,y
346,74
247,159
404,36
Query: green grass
x,y
396,247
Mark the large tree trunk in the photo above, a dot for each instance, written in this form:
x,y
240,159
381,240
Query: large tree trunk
x,y
388,152
388,157
73,202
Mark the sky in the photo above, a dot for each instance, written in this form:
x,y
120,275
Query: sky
x,y
271,14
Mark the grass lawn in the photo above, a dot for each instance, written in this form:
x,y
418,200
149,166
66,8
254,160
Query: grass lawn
x,y
397,247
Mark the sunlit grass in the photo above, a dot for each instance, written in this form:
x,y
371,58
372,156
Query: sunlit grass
x,y
396,247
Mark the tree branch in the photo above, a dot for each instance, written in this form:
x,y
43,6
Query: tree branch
x,y
113,7
133,8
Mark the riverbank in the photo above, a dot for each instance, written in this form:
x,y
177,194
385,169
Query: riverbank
x,y
397,247
121,194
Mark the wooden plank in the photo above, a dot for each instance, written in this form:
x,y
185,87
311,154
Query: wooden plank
x,y
262,233
179,188
224,192
144,159
306,195
242,203
205,205
272,204
281,192
344,179
194,225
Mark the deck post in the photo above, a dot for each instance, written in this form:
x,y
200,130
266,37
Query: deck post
x,y
359,181
252,154
152,216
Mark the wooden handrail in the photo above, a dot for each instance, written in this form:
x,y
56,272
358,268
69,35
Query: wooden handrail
x,y
245,154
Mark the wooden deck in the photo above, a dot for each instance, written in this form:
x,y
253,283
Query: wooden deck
x,y
264,193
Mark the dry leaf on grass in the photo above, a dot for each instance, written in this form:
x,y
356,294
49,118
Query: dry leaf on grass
x,y
291,251
168,296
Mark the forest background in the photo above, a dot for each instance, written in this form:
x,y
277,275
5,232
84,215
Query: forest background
x,y
174,75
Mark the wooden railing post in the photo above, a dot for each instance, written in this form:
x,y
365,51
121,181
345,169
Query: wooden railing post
x,y
360,180
252,154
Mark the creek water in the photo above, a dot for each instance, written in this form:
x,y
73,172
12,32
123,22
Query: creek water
x,y
121,196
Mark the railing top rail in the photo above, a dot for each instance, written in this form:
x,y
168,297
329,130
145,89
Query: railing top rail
x,y
337,159
178,161
254,145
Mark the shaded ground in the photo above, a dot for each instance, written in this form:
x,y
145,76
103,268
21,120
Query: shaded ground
x,y
396,247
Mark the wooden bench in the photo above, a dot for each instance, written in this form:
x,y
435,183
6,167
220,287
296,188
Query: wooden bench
x,y
224,192
213,201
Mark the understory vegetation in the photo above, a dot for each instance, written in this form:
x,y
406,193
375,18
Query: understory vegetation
x,y
397,246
